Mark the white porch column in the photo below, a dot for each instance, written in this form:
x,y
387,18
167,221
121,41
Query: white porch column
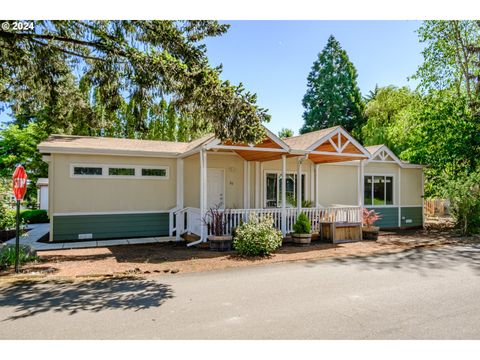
x,y
203,191
311,196
284,195
299,184
317,202
257,185
360,183
399,196
246,184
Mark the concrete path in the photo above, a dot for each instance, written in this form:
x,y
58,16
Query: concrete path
x,y
37,231
31,237
415,294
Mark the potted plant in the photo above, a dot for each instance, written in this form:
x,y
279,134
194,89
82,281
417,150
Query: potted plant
x,y
370,232
216,227
301,230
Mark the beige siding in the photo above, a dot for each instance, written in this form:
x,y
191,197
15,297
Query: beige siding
x,y
412,187
191,181
110,195
337,184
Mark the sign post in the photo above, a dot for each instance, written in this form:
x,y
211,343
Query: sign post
x,y
19,190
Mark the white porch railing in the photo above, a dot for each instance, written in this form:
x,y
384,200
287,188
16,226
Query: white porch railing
x,y
188,220
234,217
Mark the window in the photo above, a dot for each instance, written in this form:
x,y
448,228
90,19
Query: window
x,y
378,190
273,191
87,171
112,171
154,172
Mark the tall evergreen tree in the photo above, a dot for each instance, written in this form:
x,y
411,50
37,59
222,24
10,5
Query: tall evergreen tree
x,y
332,97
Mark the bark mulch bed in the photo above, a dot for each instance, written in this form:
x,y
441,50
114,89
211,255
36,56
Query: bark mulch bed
x,y
173,258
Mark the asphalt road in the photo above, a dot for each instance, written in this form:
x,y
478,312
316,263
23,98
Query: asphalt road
x,y
417,294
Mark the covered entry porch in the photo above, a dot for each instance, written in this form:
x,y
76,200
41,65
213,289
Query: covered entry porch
x,y
278,178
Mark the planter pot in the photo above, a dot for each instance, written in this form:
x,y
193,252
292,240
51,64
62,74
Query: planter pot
x,y
220,243
302,239
370,233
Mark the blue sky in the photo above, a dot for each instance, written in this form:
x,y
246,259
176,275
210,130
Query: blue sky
x,y
273,58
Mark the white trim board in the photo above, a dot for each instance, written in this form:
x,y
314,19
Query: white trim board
x,y
113,212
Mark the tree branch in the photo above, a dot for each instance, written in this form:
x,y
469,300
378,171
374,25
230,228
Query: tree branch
x,y
87,57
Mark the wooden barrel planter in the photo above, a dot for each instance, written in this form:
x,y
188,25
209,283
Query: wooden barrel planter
x,y
302,239
220,243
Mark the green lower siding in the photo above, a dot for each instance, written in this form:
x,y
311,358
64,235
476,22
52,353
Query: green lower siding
x,y
415,214
390,216
110,226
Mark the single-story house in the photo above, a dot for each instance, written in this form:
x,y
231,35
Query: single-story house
x,y
105,188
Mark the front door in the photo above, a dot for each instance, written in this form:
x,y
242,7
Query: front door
x,y
215,188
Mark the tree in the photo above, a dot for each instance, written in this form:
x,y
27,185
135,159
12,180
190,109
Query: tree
x,y
385,113
285,133
451,58
372,94
19,147
85,77
332,97
441,134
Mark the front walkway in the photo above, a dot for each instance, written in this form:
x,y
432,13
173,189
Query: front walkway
x,y
37,231
31,237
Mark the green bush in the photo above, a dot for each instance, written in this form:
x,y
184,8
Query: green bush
x,y
302,225
257,237
464,195
7,218
7,255
34,216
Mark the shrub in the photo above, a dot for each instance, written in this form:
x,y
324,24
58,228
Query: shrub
x,y
7,255
369,217
302,225
7,215
7,218
34,216
215,220
464,195
257,237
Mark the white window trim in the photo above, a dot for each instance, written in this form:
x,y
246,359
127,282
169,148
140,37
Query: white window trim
x,y
138,172
394,192
279,172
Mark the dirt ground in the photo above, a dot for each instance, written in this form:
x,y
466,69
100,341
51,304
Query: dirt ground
x,y
173,258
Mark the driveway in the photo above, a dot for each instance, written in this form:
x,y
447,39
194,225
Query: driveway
x,y
415,294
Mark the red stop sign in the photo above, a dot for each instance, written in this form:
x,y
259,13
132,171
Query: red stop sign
x,y
19,182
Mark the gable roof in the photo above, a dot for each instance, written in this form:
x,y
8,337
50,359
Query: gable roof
x,y
375,150
303,142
